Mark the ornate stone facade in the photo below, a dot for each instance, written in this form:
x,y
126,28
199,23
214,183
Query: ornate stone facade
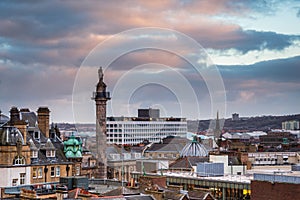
x,y
27,155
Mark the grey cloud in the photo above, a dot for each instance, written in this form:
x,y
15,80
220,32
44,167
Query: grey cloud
x,y
24,84
245,41
279,70
270,87
56,33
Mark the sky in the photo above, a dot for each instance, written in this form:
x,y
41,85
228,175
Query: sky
x,y
252,48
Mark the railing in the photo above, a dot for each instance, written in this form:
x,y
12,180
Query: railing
x,y
105,95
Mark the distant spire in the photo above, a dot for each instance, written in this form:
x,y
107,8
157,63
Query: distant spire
x,y
217,121
217,131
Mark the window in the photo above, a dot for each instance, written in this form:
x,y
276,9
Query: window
x,y
50,153
34,154
19,160
36,135
14,182
22,178
52,173
40,172
57,171
34,174
77,170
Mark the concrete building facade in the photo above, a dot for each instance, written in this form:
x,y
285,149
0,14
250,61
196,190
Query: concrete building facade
x,y
135,130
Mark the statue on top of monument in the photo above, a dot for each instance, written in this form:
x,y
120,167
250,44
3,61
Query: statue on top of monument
x,y
100,73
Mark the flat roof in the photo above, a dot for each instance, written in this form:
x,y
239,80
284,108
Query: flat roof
x,y
278,169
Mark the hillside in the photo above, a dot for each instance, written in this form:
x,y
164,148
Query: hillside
x,y
262,123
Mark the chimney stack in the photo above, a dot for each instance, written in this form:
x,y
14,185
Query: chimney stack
x,y
17,122
14,115
43,120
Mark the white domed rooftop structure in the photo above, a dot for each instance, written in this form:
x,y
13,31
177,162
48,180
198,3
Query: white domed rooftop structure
x,y
194,149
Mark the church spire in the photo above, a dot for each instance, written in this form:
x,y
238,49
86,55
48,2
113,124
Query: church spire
x,y
217,131
217,121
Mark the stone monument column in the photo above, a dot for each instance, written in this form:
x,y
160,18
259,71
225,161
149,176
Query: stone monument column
x,y
101,97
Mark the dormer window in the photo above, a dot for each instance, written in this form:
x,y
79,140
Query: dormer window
x,y
19,160
50,153
36,135
34,154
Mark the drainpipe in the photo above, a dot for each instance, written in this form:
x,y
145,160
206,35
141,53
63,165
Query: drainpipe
x,y
45,171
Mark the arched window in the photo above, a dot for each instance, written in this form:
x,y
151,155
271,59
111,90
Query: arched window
x,y
19,160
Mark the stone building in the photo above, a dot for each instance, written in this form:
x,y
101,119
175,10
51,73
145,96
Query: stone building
x,y
121,162
89,167
169,149
31,151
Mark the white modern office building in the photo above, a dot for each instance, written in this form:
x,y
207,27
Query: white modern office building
x,y
148,126
290,125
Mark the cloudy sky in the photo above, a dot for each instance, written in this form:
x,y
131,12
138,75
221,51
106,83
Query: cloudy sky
x,y
255,45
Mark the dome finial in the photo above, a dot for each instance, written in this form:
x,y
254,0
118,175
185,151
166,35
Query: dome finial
x,y
195,139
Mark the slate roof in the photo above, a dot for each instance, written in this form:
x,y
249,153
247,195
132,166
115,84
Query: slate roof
x,y
121,191
43,143
187,162
199,195
115,149
169,144
137,149
30,118
139,197
9,135
169,194
74,194
3,119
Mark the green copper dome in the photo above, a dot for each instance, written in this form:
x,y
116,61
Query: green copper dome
x,y
73,147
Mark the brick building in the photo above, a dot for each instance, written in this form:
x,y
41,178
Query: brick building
x,y
275,187
278,138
